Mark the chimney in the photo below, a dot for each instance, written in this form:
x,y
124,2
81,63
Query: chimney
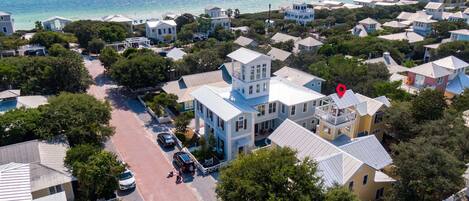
x,y
387,56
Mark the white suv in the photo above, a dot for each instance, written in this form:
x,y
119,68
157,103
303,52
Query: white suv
x,y
126,180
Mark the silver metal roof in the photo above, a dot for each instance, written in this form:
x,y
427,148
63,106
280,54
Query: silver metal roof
x,y
14,182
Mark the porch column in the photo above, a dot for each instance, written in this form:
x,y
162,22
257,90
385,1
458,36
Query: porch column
x,y
229,143
196,117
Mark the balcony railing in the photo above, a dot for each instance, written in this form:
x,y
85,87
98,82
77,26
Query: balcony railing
x,y
325,113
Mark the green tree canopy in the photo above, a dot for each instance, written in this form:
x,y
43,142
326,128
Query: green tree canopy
x,y
95,45
428,105
19,125
79,154
108,57
270,174
80,117
459,49
48,38
399,121
426,172
339,193
145,70
461,102
86,30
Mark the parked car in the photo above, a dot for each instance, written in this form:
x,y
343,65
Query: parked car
x,y
184,161
166,139
126,180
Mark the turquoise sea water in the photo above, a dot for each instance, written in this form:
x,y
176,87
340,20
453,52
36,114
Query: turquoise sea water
x,y
26,12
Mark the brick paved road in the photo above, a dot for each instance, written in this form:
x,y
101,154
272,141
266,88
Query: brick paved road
x,y
136,146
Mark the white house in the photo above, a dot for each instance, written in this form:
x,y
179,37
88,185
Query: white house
x,y
300,78
459,35
366,26
435,10
55,23
6,23
161,30
308,44
245,113
300,12
423,27
218,17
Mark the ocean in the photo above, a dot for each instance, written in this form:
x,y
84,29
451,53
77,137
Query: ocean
x,y
26,12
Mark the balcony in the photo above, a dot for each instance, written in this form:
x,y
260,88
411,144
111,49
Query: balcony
x,y
334,116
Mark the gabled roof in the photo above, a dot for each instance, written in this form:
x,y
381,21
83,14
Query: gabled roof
x,y
176,54
278,54
56,18
456,15
370,105
15,182
413,16
368,21
226,109
461,31
334,164
281,37
434,5
296,76
451,62
458,84
369,150
2,13
359,30
347,100
410,36
395,24
117,18
243,41
391,64
11,93
430,70
246,56
153,24
189,83
425,20
309,42
211,7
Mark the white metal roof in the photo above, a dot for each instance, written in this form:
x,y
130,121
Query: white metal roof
x,y
278,54
410,36
451,62
117,18
309,42
335,165
430,70
296,76
395,24
243,41
368,21
153,24
369,150
281,37
10,93
224,108
15,182
434,5
57,18
460,31
176,54
347,100
370,105
381,177
3,13
245,55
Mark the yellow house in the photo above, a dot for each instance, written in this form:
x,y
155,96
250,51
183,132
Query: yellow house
x,y
353,115
356,164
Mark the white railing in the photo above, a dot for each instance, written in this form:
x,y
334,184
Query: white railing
x,y
332,119
203,169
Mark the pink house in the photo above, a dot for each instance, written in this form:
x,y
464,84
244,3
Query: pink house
x,y
427,75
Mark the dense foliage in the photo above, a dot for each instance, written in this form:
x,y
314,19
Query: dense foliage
x,y
48,38
45,75
19,125
86,30
270,174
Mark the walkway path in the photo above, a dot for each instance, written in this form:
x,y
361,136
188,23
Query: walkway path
x,y
136,147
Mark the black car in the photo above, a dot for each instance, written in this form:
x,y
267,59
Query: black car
x,y
166,140
184,161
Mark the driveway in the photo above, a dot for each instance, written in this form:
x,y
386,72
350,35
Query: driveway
x,y
136,146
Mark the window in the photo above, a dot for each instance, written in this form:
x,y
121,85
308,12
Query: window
x,y
272,107
159,31
293,110
365,179
265,87
258,88
379,193
55,189
221,123
314,104
283,108
304,124
243,72
252,73
4,29
305,107
242,90
240,124
264,71
169,30
250,89
258,72
210,115
379,117
439,80
261,109
350,186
